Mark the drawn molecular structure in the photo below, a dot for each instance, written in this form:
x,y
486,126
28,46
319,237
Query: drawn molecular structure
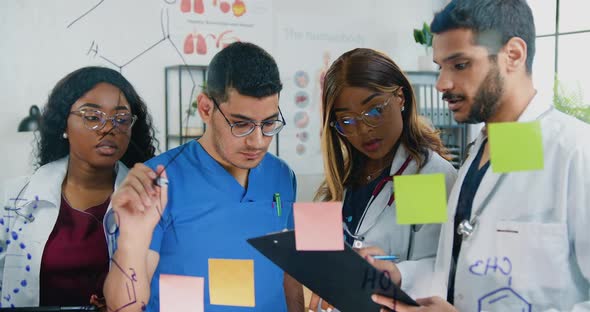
x,y
130,281
14,246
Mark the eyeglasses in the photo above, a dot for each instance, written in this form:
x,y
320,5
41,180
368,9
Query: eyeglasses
x,y
243,128
96,120
372,117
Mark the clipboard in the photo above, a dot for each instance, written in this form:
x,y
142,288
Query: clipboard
x,y
342,278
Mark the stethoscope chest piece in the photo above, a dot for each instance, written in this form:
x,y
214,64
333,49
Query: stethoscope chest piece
x,y
357,244
465,228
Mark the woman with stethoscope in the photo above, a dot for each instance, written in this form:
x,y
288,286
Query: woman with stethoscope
x,y
54,249
372,132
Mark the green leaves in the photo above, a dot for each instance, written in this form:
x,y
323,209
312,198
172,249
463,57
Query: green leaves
x,y
570,101
423,36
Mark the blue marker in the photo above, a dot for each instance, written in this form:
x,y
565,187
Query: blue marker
x,y
386,258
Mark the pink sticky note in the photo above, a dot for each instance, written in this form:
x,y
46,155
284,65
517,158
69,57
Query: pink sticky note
x,y
318,226
181,293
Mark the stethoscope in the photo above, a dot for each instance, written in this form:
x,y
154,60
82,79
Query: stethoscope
x,y
360,237
467,227
16,210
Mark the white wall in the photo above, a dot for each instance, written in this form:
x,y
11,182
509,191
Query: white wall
x,y
37,50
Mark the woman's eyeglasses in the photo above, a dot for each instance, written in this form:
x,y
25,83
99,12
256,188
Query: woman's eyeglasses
x,y
96,120
348,125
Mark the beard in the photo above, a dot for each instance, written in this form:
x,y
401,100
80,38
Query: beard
x,y
487,97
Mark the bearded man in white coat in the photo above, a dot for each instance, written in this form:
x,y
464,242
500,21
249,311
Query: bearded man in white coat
x,y
517,241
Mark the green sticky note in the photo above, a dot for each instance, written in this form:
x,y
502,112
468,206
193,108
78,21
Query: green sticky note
x,y
515,146
420,198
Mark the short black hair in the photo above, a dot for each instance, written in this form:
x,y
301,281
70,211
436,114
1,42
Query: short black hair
x,y
245,67
491,21
51,145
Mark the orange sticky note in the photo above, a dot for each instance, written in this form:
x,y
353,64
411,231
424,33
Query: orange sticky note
x,y
231,282
181,293
318,226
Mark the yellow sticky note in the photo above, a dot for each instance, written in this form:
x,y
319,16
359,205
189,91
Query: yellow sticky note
x,y
181,293
515,146
420,198
231,282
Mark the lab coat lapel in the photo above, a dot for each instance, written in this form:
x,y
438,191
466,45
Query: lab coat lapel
x,y
374,208
485,189
44,197
443,261
534,110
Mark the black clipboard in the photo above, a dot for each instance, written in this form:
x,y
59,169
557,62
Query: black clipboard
x,y
342,278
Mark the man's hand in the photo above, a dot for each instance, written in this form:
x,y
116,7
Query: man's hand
x,y
431,304
315,301
139,203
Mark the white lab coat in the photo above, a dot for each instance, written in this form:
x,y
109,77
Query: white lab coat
x,y
531,248
379,227
378,224
40,197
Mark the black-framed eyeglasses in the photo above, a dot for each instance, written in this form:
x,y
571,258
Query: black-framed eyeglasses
x,y
96,120
348,125
243,128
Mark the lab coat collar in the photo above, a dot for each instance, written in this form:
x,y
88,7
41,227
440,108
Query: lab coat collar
x,y
400,158
535,108
533,111
45,184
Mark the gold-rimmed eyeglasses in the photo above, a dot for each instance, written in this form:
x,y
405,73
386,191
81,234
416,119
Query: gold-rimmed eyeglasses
x,y
348,125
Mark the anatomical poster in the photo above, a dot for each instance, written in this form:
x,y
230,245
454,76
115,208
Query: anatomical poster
x,y
304,53
203,27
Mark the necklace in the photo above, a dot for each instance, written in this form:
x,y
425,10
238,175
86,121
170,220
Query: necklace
x,y
387,161
375,173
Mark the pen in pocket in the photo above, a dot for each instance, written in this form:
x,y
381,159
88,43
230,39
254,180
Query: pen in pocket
x,y
277,201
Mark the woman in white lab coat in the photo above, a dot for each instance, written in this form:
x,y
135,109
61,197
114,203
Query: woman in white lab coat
x,y
371,132
54,250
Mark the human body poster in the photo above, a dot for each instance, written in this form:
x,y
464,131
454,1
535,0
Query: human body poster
x,y
304,53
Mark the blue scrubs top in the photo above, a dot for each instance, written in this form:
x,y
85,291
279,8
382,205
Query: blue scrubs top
x,y
210,215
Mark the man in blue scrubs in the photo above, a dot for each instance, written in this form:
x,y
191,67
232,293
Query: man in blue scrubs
x,y
221,191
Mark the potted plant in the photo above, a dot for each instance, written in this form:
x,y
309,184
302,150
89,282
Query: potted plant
x,y
424,37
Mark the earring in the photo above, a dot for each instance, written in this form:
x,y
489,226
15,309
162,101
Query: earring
x,y
65,136
403,107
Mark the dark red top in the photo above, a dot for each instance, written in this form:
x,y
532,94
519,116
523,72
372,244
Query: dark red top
x,y
75,259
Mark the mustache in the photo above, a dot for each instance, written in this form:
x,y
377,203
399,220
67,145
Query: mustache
x,y
447,96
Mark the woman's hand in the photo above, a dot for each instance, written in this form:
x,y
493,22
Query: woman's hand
x,y
381,265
